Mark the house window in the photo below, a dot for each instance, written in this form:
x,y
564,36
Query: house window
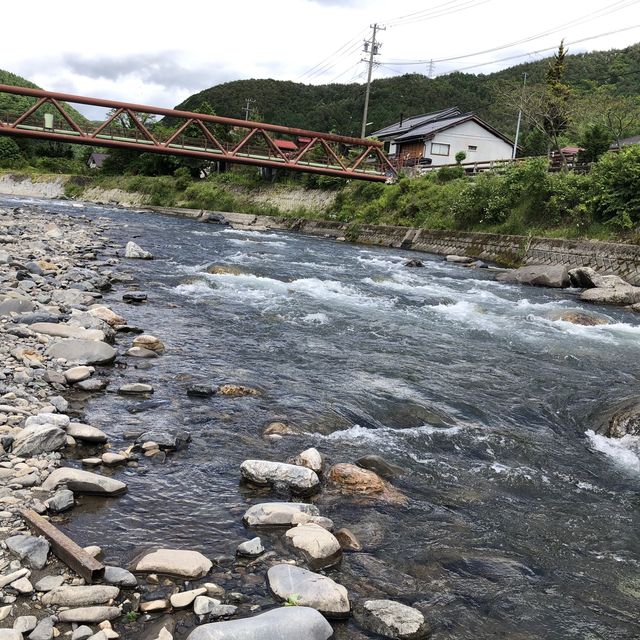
x,y
438,149
472,147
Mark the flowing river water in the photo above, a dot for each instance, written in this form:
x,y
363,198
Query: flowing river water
x,y
520,522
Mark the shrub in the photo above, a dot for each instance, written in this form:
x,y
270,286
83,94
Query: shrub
x,y
615,188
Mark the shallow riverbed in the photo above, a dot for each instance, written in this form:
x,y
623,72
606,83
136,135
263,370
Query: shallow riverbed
x,y
520,522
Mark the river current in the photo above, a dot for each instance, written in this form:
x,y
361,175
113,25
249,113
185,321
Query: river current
x,y
520,522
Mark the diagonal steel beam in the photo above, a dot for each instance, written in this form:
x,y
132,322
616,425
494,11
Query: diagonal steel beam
x,y
67,117
29,111
108,121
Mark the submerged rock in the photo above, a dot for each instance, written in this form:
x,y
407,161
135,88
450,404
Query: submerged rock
x,y
264,472
621,420
391,620
277,514
413,263
309,589
350,479
379,465
286,623
537,275
581,318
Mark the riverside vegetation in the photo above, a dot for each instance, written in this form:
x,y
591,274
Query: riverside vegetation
x,y
521,199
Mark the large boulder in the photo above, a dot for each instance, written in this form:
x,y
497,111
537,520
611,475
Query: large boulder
x,y
175,562
537,275
588,278
309,589
80,481
319,546
581,318
277,514
621,294
38,438
350,479
298,479
286,623
391,620
83,352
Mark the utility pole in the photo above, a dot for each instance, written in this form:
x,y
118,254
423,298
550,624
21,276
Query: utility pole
x,y
247,108
515,144
372,47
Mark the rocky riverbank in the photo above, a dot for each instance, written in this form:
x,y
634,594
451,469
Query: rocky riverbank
x,y
58,342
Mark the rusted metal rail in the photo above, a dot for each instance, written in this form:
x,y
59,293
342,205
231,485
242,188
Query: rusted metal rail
x,y
74,556
196,135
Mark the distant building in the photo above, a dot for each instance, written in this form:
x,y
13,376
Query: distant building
x,y
435,139
625,142
96,160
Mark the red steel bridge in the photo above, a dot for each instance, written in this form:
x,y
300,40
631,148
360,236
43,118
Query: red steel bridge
x,y
46,115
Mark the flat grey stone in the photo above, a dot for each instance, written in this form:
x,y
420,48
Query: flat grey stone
x,y
49,582
89,614
86,433
202,605
10,634
537,275
175,562
120,577
82,352
80,481
25,624
82,633
135,388
392,620
32,549
265,472
44,630
286,623
311,589
276,514
80,596
15,305
61,501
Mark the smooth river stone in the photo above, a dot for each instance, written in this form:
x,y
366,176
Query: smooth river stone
x,y
89,614
82,596
286,623
277,514
82,352
175,562
311,589
264,472
61,330
392,620
80,481
86,433
319,546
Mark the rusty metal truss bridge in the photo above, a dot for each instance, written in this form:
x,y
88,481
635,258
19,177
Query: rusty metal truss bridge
x,y
46,115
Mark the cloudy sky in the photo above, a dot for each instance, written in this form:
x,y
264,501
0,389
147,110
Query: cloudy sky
x,y
159,53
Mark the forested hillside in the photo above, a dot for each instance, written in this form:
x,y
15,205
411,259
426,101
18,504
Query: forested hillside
x,y
338,107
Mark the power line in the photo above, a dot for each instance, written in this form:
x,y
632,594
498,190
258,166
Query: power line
x,y
612,8
347,44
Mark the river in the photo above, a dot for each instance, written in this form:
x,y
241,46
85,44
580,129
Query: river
x,y
520,522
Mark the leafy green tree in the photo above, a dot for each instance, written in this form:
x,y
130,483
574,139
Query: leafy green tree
x,y
594,142
9,150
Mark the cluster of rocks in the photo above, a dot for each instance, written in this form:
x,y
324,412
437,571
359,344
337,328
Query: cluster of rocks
x,y
54,337
596,288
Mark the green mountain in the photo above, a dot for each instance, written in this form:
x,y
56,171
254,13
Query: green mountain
x,y
338,107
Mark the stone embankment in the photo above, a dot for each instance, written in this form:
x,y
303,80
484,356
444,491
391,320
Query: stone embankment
x,y
56,337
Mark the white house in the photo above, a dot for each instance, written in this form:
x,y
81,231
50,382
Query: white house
x,y
435,139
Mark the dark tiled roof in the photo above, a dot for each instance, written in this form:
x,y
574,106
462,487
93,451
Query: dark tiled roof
x,y
393,130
